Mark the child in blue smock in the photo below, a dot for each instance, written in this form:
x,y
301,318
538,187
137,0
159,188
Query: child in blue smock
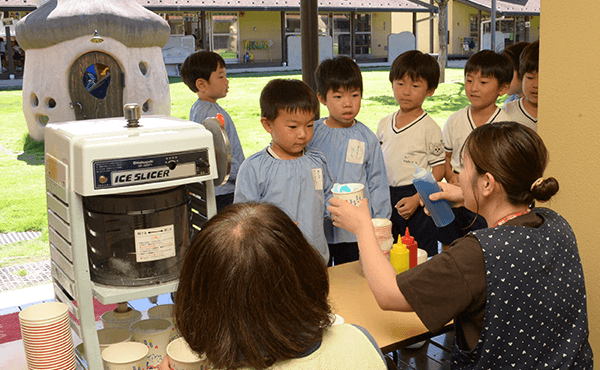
x,y
287,173
204,73
352,149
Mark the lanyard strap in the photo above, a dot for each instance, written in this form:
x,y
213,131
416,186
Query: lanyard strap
x,y
504,220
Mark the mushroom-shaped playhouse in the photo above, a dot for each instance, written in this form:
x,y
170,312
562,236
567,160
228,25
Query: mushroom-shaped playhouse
x,y
85,58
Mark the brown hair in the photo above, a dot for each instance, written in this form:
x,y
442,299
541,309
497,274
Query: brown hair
x,y
200,64
417,65
516,156
287,95
513,52
338,73
491,64
252,290
529,59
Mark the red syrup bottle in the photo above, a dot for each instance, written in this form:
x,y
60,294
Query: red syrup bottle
x,y
412,246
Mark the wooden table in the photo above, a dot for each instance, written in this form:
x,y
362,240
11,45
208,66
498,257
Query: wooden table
x,y
351,298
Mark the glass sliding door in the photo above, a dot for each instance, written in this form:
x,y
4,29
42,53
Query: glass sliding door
x,y
362,35
341,34
225,35
293,25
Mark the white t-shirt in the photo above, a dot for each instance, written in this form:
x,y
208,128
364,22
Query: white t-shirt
x,y
419,142
517,112
459,126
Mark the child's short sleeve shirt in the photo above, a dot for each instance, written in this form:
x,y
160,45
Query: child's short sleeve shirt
x,y
419,142
517,112
459,126
202,110
354,156
300,187
512,97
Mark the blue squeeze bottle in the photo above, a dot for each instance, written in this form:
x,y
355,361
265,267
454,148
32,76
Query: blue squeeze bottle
x,y
426,185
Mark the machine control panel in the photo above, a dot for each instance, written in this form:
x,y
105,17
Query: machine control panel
x,y
111,173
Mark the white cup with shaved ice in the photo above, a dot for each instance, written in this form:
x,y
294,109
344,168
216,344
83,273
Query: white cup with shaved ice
x,y
352,192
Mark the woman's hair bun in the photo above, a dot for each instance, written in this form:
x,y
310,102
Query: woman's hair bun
x,y
545,189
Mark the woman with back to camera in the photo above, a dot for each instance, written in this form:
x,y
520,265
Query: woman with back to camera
x,y
515,290
253,294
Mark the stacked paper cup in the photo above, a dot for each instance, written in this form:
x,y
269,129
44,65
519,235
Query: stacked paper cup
x,y
47,337
383,233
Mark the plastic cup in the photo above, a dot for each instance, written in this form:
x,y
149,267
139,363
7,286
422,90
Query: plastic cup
x,y
183,358
354,196
125,356
154,333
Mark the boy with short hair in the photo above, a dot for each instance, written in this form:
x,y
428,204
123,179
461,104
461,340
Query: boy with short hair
x,y
513,52
524,110
288,173
205,74
410,136
352,149
487,76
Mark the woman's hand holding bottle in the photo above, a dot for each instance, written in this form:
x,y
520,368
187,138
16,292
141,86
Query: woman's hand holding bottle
x,y
452,193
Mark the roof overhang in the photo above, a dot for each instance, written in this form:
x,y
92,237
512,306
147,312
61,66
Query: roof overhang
x,y
506,7
412,6
8,6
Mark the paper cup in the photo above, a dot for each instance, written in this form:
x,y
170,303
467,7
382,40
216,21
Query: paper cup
x,y
125,356
154,333
108,336
45,332
114,319
383,228
183,358
43,313
354,196
47,337
421,256
164,311
383,225
383,233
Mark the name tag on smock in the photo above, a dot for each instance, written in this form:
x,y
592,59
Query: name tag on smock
x,y
356,152
317,175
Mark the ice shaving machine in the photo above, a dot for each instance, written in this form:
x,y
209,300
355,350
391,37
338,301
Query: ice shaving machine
x,y
125,196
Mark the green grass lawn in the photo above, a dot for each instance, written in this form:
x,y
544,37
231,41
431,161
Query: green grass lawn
x,y
22,183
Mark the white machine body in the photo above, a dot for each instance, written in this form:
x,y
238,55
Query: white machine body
x,y
75,146
104,157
